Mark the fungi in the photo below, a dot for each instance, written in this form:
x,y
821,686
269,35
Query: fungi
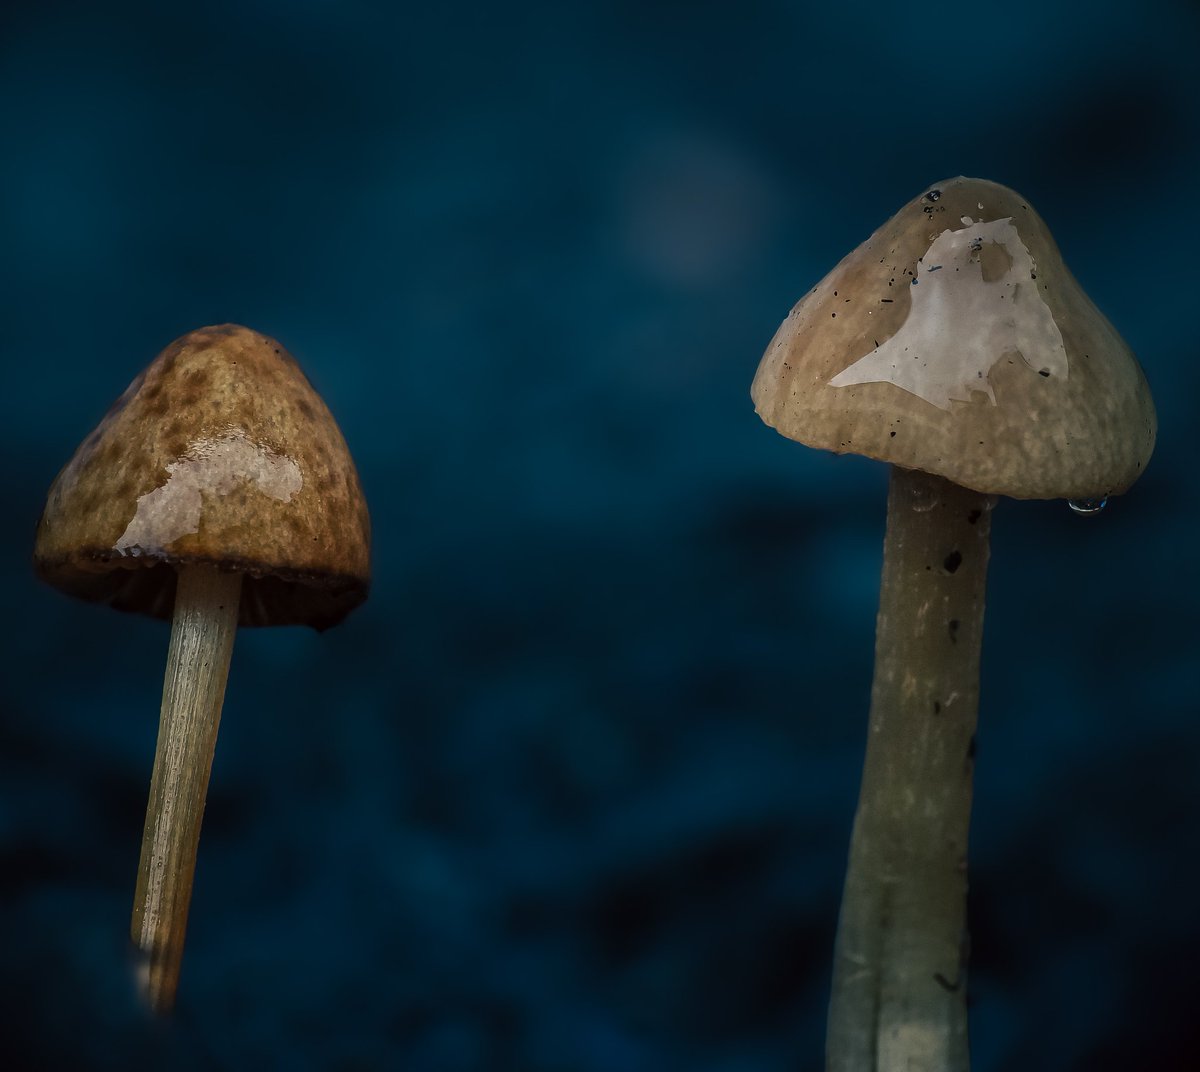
x,y
955,345
217,491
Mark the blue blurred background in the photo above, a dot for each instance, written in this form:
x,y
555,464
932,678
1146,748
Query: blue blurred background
x,y
572,792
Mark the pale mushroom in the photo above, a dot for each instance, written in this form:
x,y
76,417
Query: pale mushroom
x,y
954,344
217,491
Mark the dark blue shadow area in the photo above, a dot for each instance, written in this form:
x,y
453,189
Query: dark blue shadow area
x,y
572,791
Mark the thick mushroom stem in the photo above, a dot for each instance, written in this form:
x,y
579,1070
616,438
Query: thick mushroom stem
x,y
899,979
202,630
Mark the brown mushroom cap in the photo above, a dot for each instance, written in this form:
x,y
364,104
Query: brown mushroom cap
x,y
219,453
956,341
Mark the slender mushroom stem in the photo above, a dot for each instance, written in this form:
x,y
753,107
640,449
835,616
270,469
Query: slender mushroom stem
x,y
202,630
899,978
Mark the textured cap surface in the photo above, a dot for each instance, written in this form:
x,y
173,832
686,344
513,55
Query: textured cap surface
x,y
220,452
956,341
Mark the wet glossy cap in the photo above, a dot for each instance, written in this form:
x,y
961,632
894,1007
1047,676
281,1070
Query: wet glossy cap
x,y
955,340
220,452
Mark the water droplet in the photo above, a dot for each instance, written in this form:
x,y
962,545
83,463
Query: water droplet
x,y
933,195
1087,507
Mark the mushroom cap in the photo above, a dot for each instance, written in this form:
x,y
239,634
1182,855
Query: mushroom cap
x,y
955,341
220,453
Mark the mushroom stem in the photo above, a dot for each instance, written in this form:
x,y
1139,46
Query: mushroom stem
x,y
899,978
202,630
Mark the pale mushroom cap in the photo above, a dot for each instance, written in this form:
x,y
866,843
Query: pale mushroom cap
x,y
221,453
956,341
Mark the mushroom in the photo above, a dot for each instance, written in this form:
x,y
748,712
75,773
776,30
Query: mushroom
x,y
955,344
217,491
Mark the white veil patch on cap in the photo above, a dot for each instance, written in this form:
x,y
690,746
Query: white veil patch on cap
x,y
975,300
210,465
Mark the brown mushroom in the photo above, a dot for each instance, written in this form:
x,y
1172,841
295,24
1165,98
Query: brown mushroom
x,y
218,490
955,344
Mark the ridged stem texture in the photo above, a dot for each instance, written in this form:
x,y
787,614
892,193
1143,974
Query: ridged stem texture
x,y
202,631
900,960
